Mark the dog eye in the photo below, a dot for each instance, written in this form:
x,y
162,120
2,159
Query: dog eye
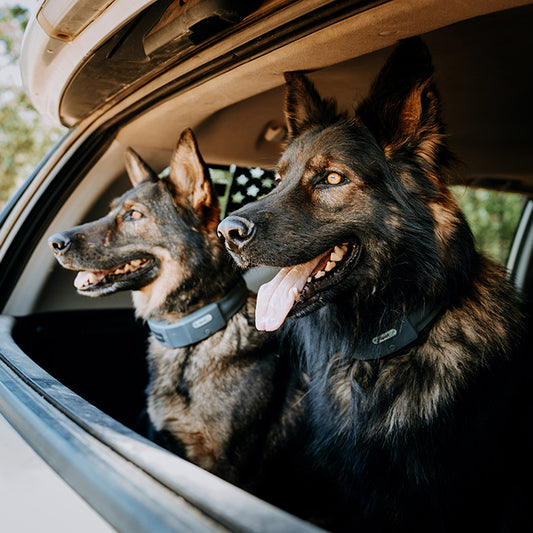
x,y
133,215
334,178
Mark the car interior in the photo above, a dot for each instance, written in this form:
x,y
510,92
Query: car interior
x,y
96,346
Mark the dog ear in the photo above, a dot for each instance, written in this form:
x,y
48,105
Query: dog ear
x,y
304,108
137,169
403,104
190,176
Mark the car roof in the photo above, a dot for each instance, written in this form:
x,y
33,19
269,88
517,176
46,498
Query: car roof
x,y
227,83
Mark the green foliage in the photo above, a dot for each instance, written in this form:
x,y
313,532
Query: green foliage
x,y
25,137
24,140
493,217
13,22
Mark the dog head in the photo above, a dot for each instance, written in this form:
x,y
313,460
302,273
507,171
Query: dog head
x,y
361,202
154,237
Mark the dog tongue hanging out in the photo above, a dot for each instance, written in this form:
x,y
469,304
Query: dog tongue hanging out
x,y
276,298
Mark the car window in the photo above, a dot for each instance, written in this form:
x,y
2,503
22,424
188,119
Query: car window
x,y
493,217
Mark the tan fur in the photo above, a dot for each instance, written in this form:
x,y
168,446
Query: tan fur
x,y
445,216
154,295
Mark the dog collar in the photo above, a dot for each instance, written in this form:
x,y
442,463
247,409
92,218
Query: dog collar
x,y
202,323
399,336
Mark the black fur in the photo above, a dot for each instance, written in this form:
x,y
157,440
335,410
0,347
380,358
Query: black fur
x,y
429,438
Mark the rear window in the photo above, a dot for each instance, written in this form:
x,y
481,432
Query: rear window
x,y
493,217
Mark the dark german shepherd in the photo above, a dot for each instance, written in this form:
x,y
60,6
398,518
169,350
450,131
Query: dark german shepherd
x,y
219,394
408,334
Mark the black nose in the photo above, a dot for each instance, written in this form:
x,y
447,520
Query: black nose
x,y
237,231
59,243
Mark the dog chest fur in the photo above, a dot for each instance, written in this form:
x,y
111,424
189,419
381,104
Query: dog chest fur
x,y
180,393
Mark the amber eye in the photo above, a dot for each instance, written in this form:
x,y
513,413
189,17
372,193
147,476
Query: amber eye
x,y
135,215
334,178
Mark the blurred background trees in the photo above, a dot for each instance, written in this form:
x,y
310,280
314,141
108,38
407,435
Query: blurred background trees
x,y
25,137
493,217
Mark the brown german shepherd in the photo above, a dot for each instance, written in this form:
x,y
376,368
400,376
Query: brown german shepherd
x,y
409,336
219,394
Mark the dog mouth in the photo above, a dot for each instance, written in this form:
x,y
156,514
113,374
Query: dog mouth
x,y
124,275
295,290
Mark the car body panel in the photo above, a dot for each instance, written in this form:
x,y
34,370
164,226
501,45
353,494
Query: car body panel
x,y
33,497
381,23
47,69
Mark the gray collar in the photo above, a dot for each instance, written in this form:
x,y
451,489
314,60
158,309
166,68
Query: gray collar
x,y
202,323
399,335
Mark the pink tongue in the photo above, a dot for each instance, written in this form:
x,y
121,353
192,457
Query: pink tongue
x,y
87,278
276,298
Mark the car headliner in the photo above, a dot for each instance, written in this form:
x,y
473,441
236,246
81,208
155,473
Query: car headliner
x,y
482,72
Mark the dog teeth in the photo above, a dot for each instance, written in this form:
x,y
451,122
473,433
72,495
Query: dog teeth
x,y
337,254
129,267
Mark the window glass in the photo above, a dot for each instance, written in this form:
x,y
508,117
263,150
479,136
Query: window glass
x,y
493,217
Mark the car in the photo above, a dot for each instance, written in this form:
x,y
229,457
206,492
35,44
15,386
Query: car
x,y
135,74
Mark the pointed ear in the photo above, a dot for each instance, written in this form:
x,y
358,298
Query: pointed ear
x,y
137,169
304,108
190,177
403,103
